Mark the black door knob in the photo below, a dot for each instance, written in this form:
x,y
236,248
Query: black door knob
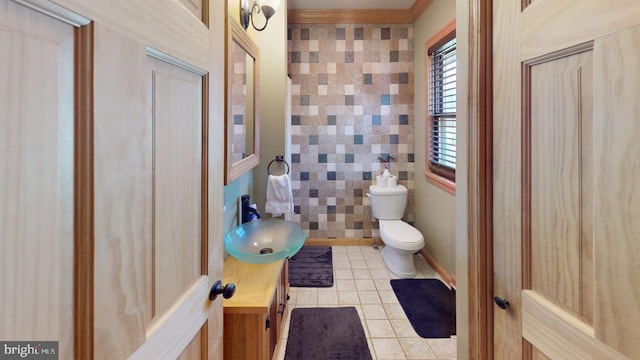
x,y
227,291
502,303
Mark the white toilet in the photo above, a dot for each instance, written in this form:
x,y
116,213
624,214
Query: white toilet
x,y
401,239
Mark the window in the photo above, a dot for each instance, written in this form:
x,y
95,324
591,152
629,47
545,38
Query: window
x,y
441,126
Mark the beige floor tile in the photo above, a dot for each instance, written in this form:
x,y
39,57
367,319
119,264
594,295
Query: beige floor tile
x,y
341,265
388,349
388,297
371,349
285,329
369,297
344,274
293,297
380,328
417,348
381,284
347,297
375,263
361,274
338,249
365,284
358,264
422,274
374,312
340,256
281,349
329,297
389,333
369,249
380,274
307,297
444,348
353,249
346,284
403,328
394,311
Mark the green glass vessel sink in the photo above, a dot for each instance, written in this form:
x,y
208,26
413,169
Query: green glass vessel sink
x,y
264,241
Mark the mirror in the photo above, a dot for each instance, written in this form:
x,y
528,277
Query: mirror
x,y
242,111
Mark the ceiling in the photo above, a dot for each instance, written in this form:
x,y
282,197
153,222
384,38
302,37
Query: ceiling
x,y
348,4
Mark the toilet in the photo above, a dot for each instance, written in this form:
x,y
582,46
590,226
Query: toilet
x,y
401,239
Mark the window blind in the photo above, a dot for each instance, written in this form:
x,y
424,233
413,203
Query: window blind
x,y
442,110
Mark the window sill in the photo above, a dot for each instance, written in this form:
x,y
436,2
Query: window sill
x,y
442,183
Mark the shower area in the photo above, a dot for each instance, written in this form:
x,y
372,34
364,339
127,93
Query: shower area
x,y
352,103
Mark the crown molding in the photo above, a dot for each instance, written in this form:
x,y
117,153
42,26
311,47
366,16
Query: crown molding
x,y
349,16
359,16
418,8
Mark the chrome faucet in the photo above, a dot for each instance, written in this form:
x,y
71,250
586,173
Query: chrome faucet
x,y
247,211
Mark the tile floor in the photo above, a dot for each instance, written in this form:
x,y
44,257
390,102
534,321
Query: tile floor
x,y
362,280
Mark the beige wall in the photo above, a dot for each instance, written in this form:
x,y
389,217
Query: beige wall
x,y
273,91
434,207
463,72
271,43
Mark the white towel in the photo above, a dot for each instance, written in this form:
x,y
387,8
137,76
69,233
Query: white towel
x,y
279,195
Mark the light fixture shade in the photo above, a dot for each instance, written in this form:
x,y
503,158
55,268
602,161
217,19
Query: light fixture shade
x,y
269,7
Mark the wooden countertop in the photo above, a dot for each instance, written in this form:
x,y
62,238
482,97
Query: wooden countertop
x,y
255,285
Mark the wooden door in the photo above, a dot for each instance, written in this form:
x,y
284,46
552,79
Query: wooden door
x,y
36,177
134,282
151,198
149,202
567,179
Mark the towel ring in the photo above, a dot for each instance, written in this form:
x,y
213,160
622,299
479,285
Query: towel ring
x,y
279,158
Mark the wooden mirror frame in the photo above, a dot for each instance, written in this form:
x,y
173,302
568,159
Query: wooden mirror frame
x,y
234,170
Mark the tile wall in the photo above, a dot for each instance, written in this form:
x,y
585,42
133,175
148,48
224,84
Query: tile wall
x,y
352,101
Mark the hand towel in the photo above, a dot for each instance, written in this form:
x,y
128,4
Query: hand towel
x,y
279,195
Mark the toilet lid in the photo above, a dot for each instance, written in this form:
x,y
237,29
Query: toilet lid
x,y
399,234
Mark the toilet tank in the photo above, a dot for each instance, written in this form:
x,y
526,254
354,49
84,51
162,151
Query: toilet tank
x,y
388,203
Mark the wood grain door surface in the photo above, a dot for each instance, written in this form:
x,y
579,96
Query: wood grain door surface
x,y
156,241
36,177
567,179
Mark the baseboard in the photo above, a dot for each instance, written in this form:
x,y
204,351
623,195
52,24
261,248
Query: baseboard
x,y
341,242
446,277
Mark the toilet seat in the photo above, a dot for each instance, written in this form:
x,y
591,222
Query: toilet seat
x,y
400,235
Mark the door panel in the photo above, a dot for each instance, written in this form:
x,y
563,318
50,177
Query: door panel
x,y
176,110
507,180
147,252
36,181
566,135
194,349
149,166
537,355
559,334
123,202
559,122
617,199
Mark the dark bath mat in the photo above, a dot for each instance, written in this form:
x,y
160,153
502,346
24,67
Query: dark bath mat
x,y
429,305
326,334
312,266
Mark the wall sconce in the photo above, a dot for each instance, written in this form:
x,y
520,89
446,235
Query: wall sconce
x,y
268,7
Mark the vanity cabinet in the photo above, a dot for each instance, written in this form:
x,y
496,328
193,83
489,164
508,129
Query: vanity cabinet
x,y
254,317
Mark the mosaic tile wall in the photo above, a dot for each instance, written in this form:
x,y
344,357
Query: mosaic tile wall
x,y
352,101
